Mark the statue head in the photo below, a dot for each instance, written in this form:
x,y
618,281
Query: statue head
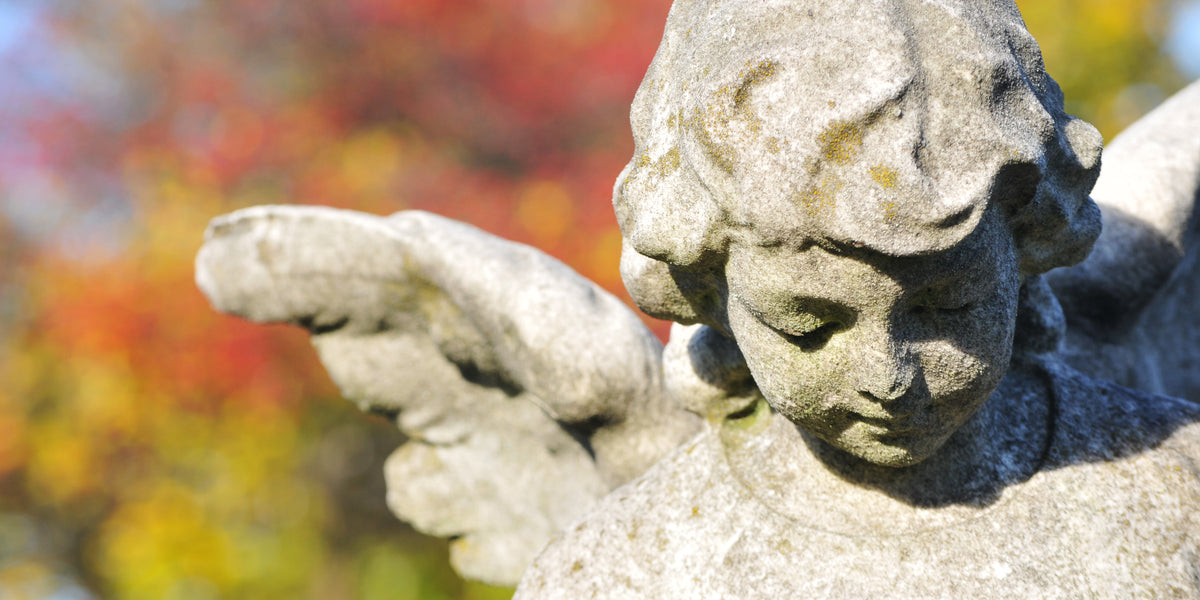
x,y
856,194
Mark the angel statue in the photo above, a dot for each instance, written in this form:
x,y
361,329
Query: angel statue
x,y
851,210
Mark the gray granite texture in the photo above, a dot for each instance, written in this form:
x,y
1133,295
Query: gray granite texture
x,y
1097,497
853,211
528,392
1109,510
854,204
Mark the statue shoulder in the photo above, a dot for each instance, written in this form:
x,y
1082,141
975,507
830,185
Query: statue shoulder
x,y
1098,420
1120,469
647,537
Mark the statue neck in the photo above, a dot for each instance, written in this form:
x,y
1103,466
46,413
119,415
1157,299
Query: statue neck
x,y
804,478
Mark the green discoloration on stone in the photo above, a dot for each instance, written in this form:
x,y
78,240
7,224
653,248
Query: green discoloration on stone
x,y
885,176
821,197
753,417
758,73
841,141
667,163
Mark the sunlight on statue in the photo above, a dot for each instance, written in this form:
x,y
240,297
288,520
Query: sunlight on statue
x,y
864,245
848,209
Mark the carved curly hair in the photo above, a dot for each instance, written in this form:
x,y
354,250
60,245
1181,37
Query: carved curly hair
x,y
891,125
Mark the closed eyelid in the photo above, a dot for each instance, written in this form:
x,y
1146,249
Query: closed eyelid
x,y
801,320
803,323
953,296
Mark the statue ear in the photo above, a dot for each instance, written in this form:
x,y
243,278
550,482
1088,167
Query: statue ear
x,y
1059,224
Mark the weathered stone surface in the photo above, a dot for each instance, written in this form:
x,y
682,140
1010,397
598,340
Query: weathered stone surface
x,y
1133,304
1107,507
861,198
855,193
528,392
849,208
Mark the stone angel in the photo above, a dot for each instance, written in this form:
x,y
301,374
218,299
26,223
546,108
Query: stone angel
x,y
850,211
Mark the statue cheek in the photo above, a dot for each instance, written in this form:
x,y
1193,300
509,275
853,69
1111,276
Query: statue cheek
x,y
950,370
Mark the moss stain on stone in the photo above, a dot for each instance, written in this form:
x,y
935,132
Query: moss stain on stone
x,y
840,141
660,538
723,155
886,177
820,198
710,124
753,76
667,163
889,210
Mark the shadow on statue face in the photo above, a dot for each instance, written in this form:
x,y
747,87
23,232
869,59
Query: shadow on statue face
x,y
882,357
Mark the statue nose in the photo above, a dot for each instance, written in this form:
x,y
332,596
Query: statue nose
x,y
887,373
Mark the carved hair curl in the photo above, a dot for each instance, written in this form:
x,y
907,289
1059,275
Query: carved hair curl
x,y
955,95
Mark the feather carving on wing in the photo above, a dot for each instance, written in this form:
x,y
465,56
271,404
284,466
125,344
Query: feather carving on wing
x,y
527,392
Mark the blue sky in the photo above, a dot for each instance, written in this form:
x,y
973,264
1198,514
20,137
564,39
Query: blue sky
x,y
1183,42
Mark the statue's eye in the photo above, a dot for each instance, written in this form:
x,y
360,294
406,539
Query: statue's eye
x,y
946,308
809,323
804,323
809,332
945,301
817,338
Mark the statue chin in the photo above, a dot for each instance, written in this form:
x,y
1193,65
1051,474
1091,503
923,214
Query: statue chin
x,y
895,450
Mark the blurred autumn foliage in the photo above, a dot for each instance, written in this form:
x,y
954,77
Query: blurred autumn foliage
x,y
150,448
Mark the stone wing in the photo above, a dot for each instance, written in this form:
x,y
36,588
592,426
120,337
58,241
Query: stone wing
x,y
1133,307
527,392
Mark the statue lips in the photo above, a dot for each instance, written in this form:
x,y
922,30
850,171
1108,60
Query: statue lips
x,y
902,415
894,431
913,422
891,428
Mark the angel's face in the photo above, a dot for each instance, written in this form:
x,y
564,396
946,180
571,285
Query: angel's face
x,y
882,357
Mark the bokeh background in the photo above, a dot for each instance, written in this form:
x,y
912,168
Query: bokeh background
x,y
150,448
